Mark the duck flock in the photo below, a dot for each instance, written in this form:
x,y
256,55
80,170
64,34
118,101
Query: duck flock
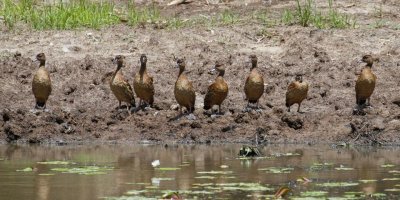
x,y
184,91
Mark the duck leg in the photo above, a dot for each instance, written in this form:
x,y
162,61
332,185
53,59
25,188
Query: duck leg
x,y
288,108
298,109
219,110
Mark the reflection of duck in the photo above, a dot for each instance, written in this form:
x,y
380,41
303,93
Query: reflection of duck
x,y
254,86
143,83
119,86
184,92
41,84
217,91
296,92
365,84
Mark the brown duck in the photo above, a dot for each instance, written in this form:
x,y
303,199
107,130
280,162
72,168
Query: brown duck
x,y
296,92
217,91
254,86
119,86
365,84
41,84
184,91
143,83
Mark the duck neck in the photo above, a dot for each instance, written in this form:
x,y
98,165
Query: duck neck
x,y
142,68
119,66
253,66
221,74
180,72
369,65
42,63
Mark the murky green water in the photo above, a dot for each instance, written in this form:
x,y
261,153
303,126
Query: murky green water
x,y
202,172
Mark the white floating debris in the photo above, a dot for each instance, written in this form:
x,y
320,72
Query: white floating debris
x,y
155,163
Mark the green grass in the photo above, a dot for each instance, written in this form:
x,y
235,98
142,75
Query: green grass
x,y
58,16
306,14
98,14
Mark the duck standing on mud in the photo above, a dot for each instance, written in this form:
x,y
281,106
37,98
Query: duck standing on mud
x,y
296,92
365,83
143,84
41,84
184,91
218,90
254,86
119,86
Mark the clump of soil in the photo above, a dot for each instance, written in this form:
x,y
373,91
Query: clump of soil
x,y
82,107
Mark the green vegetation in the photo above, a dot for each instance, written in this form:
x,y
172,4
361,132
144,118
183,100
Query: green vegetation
x,y
58,16
306,14
95,14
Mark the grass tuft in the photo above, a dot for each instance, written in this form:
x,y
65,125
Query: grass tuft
x,y
306,14
58,16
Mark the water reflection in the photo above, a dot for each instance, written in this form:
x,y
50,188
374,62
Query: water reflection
x,y
133,171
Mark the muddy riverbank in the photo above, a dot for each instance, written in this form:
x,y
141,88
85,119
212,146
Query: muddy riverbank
x,y
82,107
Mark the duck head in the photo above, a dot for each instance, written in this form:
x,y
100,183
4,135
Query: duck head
x,y
119,60
219,67
299,78
41,58
253,60
180,63
369,59
143,60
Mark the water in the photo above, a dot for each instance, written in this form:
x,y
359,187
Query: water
x,y
201,171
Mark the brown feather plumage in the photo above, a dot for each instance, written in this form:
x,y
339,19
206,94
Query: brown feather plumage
x,y
120,86
296,93
254,85
143,83
41,83
184,91
217,91
366,81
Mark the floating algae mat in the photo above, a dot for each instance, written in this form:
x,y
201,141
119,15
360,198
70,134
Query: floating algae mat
x,y
128,172
84,170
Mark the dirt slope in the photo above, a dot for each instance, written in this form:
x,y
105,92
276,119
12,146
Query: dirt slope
x,y
82,107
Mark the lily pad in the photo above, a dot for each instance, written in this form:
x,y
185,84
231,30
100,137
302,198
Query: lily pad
x,y
56,162
205,177
46,174
277,170
320,166
216,172
341,168
86,170
388,165
392,190
391,179
28,169
337,184
313,193
135,192
243,186
168,168
367,181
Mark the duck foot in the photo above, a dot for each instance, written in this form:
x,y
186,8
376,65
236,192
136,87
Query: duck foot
x,y
191,116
